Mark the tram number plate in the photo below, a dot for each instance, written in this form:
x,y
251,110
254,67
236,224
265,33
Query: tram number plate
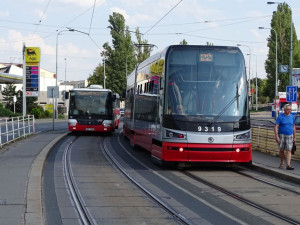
x,y
89,129
209,129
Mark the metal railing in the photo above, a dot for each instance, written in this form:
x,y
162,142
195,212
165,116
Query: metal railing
x,y
16,127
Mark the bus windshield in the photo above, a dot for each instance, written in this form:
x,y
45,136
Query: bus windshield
x,y
206,83
90,103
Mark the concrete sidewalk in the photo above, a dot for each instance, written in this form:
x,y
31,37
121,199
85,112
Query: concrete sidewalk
x,y
21,169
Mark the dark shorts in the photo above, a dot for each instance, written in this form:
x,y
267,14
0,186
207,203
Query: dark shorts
x,y
286,142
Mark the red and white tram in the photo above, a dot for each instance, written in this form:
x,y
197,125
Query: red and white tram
x,y
189,104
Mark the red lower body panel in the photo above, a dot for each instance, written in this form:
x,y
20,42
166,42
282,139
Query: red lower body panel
x,y
182,152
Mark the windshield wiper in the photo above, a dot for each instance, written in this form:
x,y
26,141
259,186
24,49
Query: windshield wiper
x,y
236,97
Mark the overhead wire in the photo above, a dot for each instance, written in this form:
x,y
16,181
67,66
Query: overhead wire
x,y
163,17
40,21
92,16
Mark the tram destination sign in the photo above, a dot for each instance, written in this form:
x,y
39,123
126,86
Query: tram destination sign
x,y
32,79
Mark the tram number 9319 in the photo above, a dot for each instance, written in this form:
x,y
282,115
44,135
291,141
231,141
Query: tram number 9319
x,y
209,129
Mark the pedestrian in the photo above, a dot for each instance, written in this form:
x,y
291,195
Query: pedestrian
x,y
285,135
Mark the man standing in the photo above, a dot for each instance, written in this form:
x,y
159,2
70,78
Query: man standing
x,y
285,135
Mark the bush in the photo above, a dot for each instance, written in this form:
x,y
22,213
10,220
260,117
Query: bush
x,y
5,112
61,116
36,112
47,113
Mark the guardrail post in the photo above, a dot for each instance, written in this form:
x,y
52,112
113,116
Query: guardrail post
x,y
6,131
24,131
28,118
13,128
33,123
18,126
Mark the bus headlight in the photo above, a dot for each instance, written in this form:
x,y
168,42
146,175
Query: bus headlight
x,y
244,136
106,123
72,123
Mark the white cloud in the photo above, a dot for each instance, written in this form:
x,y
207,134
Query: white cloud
x,y
4,14
83,3
121,11
40,14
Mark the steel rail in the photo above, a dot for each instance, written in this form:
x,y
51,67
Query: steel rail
x,y
240,198
177,216
268,182
84,214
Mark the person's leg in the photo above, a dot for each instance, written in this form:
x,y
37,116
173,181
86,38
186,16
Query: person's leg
x,y
288,160
281,154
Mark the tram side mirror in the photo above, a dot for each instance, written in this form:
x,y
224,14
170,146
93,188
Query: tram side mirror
x,y
114,97
66,95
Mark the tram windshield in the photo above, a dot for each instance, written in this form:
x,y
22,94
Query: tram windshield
x,y
90,103
208,83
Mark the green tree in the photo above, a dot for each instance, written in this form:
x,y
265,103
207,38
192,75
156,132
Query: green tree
x,y
9,91
183,42
119,57
281,23
142,48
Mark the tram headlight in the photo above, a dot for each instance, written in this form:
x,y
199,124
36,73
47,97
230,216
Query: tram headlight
x,y
243,136
172,134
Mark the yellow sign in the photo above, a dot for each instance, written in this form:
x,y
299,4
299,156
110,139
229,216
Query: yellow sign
x,y
49,107
32,54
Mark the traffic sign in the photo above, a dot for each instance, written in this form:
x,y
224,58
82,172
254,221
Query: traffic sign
x,y
52,92
283,69
291,93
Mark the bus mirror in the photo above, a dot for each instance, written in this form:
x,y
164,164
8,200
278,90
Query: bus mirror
x,y
114,97
66,95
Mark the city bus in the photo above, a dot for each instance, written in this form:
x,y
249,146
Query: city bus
x,y
93,109
189,104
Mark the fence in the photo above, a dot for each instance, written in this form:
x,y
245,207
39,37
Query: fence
x,y
263,139
16,127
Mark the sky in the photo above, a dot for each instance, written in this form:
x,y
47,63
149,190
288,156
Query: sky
x,y
45,23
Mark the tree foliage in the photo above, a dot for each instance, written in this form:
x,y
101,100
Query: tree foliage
x,y
121,57
281,23
183,42
9,91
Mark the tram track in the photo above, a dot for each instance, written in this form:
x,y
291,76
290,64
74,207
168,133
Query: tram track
x,y
84,215
269,183
177,216
236,196
244,200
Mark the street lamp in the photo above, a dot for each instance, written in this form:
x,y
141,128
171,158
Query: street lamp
x,y
58,33
276,65
249,66
256,100
291,44
104,72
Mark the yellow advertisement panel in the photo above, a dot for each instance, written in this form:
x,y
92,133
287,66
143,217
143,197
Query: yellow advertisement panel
x,y
49,107
32,54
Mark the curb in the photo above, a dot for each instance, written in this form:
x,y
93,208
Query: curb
x,y
276,172
34,206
